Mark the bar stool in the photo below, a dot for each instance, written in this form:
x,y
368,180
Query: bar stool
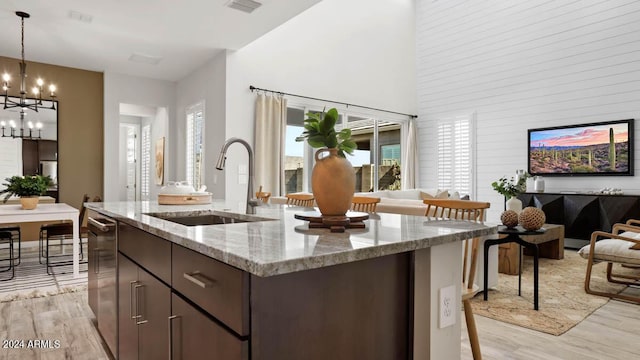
x,y
8,236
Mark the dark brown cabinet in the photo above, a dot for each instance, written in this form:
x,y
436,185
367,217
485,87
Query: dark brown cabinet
x,y
35,151
582,214
47,150
30,161
145,307
195,336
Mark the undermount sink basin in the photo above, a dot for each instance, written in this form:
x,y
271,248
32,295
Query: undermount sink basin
x,y
206,219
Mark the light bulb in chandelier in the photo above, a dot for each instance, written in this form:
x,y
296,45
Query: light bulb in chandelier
x,y
37,91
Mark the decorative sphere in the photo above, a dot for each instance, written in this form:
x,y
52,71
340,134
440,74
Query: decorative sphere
x,y
509,218
531,218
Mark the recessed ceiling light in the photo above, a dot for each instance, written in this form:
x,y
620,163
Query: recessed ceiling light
x,y
145,59
244,5
75,15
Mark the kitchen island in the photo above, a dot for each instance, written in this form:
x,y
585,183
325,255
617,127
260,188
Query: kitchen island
x,y
267,287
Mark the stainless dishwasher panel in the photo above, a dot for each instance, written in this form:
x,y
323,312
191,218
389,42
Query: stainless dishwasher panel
x,y
102,258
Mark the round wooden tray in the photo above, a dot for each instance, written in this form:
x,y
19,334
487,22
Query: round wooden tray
x,y
352,220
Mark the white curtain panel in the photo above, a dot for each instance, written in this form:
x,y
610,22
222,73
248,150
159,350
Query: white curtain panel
x,y
271,120
409,169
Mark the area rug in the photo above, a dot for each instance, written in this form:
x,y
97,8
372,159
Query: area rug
x,y
31,279
562,299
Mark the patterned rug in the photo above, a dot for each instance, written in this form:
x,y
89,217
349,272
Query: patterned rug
x,y
562,299
31,279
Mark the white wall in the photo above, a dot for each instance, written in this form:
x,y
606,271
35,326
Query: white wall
x,y
524,65
205,84
359,51
10,159
118,89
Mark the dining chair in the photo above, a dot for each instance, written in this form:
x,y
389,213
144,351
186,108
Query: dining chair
x,y
620,246
61,231
305,200
9,235
263,195
468,211
364,203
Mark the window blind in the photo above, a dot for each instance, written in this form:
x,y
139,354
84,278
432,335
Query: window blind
x,y
455,167
145,161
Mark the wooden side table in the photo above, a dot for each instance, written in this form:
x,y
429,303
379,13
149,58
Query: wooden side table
x,y
550,245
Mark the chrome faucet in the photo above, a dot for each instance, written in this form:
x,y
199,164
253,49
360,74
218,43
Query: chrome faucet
x,y
251,201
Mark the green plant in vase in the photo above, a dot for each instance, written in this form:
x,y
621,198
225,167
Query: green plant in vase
x,y
25,187
333,178
320,132
510,189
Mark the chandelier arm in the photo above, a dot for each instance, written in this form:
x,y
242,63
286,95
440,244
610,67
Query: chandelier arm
x,y
22,100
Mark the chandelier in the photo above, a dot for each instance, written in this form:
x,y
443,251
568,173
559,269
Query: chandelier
x,y
14,132
23,102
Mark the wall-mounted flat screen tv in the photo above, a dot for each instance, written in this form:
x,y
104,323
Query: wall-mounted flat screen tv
x,y
602,148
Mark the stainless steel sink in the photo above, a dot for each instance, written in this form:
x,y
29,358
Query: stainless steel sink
x,y
206,219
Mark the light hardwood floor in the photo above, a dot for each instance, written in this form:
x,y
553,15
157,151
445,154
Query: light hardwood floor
x,y
611,332
66,318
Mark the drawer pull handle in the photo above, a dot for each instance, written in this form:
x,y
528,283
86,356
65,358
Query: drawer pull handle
x,y
197,278
171,335
100,226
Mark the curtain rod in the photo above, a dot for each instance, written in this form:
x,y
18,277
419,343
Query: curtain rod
x,y
253,88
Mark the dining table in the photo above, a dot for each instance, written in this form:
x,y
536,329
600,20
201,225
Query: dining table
x,y
14,214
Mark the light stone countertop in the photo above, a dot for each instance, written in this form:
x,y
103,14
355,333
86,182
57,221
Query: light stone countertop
x,y
285,244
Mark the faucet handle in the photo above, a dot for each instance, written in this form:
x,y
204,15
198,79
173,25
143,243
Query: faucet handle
x,y
254,202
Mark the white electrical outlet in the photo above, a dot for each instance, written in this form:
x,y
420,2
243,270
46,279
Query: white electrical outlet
x,y
242,169
243,179
447,309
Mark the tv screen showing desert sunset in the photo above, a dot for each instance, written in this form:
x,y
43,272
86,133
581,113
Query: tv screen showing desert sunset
x,y
601,148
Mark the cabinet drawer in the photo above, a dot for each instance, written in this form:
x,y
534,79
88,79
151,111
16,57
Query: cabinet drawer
x,y
149,251
220,289
194,336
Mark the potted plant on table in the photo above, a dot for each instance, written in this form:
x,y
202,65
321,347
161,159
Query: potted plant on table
x,y
333,179
510,189
28,188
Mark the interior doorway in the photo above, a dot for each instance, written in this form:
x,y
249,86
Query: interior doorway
x,y
140,127
129,154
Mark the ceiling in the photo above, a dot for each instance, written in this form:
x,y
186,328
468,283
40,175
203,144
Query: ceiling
x,y
185,34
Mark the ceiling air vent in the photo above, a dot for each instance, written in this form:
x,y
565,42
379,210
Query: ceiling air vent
x,y
145,59
244,5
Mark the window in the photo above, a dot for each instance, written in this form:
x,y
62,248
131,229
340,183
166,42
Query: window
x,y
455,154
376,161
195,145
295,160
146,161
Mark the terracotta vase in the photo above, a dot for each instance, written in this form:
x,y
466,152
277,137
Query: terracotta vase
x,y
29,202
333,181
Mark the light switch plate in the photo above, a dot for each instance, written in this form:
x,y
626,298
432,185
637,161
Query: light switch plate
x,y
242,169
447,306
243,179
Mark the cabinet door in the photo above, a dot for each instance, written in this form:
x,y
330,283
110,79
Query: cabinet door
x,y
30,163
127,328
92,281
48,150
154,308
195,336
